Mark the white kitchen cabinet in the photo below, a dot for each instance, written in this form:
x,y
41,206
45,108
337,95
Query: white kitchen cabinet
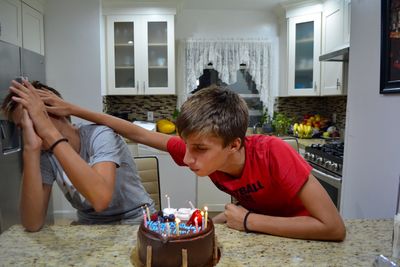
x,y
346,21
332,39
22,25
304,46
10,22
140,55
32,29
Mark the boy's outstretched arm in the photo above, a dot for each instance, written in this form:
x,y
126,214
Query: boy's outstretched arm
x,y
324,223
127,129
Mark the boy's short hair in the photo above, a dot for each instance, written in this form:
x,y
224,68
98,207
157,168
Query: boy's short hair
x,y
9,105
217,111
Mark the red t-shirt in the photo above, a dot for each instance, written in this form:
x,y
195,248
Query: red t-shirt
x,y
273,174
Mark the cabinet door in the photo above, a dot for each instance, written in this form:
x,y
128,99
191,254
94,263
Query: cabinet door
x,y
121,55
159,55
32,28
10,22
304,42
140,55
346,21
332,39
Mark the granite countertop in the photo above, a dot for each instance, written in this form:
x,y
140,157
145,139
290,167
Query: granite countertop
x,y
58,245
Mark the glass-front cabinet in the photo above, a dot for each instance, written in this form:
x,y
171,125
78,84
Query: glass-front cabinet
x,y
140,55
304,44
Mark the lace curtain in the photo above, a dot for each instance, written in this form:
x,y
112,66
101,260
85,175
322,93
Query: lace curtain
x,y
226,57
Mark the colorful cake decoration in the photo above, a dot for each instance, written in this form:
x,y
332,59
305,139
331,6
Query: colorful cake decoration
x,y
170,221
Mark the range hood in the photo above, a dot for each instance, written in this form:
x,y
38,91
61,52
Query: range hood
x,y
341,54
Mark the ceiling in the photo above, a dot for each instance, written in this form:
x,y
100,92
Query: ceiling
x,y
258,5
232,4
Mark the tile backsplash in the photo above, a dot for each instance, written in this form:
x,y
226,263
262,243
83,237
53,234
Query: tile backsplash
x,y
163,106
327,106
136,107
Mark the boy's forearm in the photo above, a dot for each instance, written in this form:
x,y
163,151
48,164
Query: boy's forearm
x,y
125,128
33,204
302,227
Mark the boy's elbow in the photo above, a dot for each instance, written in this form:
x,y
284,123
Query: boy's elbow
x,y
32,227
102,203
341,235
338,233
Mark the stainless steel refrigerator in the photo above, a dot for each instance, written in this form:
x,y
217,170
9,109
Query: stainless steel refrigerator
x,y
14,62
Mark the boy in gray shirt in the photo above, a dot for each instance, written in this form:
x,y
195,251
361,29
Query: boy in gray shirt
x,y
91,164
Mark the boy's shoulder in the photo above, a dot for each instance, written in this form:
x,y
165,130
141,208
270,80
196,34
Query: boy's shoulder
x,y
260,139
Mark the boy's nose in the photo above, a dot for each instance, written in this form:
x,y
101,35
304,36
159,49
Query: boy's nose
x,y
188,159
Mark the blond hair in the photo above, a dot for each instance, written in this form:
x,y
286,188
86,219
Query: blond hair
x,y
215,111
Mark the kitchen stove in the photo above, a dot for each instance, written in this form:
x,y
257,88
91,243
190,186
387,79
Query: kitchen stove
x,y
328,157
327,163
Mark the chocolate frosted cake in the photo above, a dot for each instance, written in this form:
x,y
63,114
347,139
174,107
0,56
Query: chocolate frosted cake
x,y
167,245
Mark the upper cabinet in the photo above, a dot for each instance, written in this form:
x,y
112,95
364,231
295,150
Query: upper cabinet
x,y
332,39
313,29
11,22
140,55
21,24
32,29
304,35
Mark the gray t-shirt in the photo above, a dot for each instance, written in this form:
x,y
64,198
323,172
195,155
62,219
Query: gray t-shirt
x,y
99,144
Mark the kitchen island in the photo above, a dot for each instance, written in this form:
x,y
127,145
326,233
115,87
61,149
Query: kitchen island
x,y
58,245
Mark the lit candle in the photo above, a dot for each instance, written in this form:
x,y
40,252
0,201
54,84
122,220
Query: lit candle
x,y
205,217
177,221
148,213
168,201
202,220
196,224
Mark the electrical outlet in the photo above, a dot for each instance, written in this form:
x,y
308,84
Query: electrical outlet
x,y
150,116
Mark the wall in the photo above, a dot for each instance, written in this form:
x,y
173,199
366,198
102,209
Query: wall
x,y
372,148
72,47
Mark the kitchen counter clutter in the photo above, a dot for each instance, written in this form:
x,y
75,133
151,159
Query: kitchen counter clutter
x,y
58,245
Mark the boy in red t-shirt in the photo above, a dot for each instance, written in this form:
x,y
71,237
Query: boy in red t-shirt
x,y
277,194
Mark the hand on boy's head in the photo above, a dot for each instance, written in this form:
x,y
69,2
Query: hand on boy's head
x,y
29,98
31,140
235,216
54,104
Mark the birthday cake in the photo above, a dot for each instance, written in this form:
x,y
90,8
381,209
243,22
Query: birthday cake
x,y
167,241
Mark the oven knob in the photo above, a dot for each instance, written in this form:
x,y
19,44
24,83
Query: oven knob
x,y
335,166
328,164
307,155
319,160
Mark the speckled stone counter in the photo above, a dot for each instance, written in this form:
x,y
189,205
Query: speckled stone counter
x,y
112,245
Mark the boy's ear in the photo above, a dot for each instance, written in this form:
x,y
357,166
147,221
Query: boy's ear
x,y
235,145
